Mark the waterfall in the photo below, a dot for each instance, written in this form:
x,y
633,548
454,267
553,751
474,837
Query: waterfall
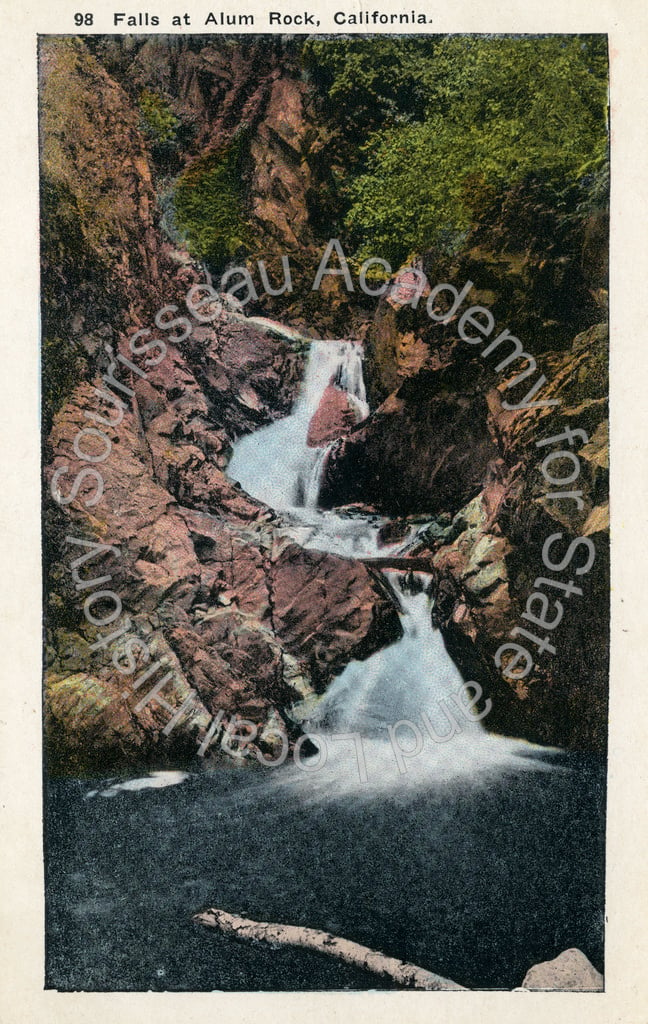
x,y
402,720
406,707
275,464
313,484
412,677
349,377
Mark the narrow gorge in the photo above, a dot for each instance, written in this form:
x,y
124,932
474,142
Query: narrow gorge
x,y
293,514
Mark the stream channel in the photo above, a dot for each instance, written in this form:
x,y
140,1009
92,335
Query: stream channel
x,y
469,854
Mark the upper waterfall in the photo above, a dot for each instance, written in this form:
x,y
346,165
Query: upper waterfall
x,y
276,464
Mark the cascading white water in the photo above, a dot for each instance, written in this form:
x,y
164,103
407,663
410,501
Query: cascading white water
x,y
314,481
411,685
275,464
349,376
410,678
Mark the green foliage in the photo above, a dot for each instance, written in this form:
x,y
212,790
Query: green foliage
x,y
456,120
370,80
159,121
208,207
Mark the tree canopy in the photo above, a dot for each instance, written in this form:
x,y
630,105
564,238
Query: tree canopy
x,y
449,120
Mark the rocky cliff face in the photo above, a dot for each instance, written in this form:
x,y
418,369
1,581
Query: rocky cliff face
x,y
489,561
185,581
209,581
251,90
443,442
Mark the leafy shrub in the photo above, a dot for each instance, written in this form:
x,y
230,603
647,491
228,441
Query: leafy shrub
x,y
159,121
371,80
208,207
450,122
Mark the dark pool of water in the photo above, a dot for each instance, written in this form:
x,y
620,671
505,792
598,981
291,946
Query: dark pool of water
x,y
474,883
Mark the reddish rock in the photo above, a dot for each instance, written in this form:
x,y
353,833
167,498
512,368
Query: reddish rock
x,y
259,83
335,417
247,622
328,609
408,287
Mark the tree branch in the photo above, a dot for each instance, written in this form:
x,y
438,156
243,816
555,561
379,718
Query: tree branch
x,y
403,974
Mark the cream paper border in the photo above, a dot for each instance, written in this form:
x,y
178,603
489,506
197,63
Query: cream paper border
x,y
21,874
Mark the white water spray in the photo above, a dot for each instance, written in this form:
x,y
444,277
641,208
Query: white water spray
x,y
412,685
410,678
275,464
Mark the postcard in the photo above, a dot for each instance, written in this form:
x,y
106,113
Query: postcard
x,y
324,353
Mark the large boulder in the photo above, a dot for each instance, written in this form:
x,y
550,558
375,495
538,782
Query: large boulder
x,y
425,449
571,971
334,417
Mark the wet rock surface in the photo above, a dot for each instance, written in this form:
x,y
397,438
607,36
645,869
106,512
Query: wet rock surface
x,y
192,567
445,444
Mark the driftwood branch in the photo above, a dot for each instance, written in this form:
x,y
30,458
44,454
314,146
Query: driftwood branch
x,y
403,974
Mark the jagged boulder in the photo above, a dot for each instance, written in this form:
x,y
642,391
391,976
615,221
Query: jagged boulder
x,y
425,449
334,417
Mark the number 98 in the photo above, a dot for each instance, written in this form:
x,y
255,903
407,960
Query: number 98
x,y
83,19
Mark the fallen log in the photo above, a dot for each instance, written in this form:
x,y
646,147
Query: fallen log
x,y
403,974
416,563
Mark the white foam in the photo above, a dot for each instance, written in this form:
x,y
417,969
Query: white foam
x,y
275,464
156,780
